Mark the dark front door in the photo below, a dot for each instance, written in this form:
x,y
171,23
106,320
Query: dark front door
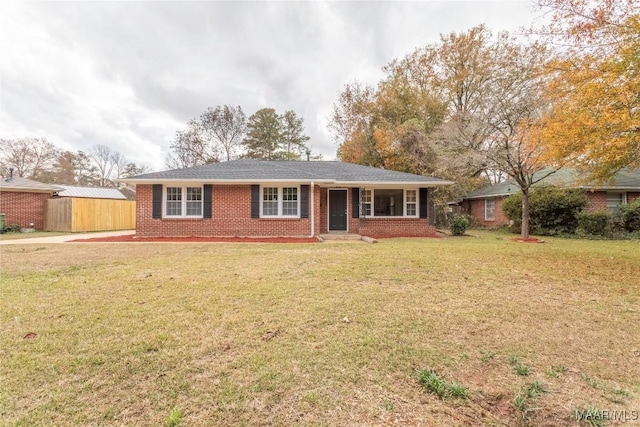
x,y
337,210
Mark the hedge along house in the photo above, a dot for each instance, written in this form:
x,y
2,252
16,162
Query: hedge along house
x,y
256,198
485,204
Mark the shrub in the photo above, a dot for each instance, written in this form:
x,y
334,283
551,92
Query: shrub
x,y
630,216
599,223
458,225
552,210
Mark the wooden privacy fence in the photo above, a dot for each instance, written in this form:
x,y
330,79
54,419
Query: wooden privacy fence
x,y
78,214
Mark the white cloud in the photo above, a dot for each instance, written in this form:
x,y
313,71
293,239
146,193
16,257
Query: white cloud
x,y
129,75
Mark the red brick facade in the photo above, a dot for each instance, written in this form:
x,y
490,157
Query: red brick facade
x,y
23,208
596,201
376,227
476,208
231,216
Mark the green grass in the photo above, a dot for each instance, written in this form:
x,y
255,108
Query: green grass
x,y
254,334
18,235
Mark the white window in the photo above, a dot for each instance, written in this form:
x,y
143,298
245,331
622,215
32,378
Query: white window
x,y
290,201
183,202
366,203
389,202
280,202
411,202
490,209
614,201
270,201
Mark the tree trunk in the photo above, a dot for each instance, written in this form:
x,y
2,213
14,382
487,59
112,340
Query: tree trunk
x,y
524,229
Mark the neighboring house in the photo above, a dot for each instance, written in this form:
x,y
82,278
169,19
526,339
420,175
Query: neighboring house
x,y
284,198
23,201
485,204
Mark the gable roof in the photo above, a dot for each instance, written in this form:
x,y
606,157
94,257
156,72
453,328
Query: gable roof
x,y
19,184
624,180
90,192
248,171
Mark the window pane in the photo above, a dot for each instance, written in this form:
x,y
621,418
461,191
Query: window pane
x,y
194,201
290,201
174,201
490,210
194,193
388,202
366,203
270,201
411,202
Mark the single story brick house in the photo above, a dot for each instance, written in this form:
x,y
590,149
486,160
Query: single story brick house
x,y
23,201
485,204
259,198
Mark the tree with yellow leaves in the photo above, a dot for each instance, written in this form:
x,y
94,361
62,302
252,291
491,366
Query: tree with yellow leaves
x,y
594,92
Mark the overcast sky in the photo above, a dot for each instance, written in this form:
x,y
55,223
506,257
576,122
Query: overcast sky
x,y
130,74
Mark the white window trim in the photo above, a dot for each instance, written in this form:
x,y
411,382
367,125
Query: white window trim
x,y
623,199
183,201
486,202
404,203
280,201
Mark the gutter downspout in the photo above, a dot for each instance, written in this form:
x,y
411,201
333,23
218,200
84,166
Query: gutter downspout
x,y
312,209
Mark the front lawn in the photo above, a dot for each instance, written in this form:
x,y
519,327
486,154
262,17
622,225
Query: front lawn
x,y
456,331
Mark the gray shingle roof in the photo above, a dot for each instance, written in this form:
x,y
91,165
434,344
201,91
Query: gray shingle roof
x,y
626,179
247,170
91,192
26,185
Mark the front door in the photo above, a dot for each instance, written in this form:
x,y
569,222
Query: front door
x,y
337,210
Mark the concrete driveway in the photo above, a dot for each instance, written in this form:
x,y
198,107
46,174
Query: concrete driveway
x,y
65,238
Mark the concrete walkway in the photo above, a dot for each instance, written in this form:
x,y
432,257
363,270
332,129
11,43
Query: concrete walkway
x,y
65,238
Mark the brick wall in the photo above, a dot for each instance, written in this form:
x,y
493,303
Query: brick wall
x,y
232,217
596,200
21,208
375,227
475,208
631,197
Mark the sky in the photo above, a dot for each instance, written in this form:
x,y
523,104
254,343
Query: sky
x,y
130,74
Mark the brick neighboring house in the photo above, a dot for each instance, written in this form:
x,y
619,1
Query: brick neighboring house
x,y
254,198
485,204
23,201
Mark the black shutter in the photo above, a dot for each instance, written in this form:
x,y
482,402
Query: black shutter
x,y
255,201
304,201
355,202
156,205
206,201
424,212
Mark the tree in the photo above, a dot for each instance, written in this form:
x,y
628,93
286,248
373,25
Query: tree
x,y
515,117
111,165
30,157
594,122
293,137
190,147
226,126
263,135
465,109
71,169
271,136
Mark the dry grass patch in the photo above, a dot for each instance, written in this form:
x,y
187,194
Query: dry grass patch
x,y
254,334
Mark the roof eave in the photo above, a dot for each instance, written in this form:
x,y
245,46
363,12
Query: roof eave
x,y
28,190
309,181
488,196
220,181
392,183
